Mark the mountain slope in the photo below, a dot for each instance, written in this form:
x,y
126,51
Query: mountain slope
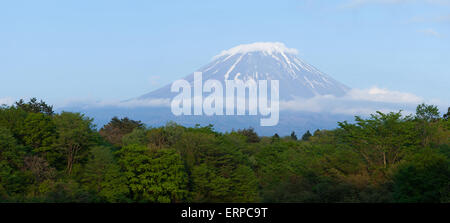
x,y
265,61
257,61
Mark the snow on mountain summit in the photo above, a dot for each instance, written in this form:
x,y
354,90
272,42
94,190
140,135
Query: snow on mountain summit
x,y
266,47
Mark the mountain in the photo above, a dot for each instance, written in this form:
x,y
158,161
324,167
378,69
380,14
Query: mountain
x,y
257,61
265,61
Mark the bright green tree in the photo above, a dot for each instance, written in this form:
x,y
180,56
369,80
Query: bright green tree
x,y
154,175
75,134
39,132
381,140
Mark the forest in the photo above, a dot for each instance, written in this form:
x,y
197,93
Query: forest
x,y
63,157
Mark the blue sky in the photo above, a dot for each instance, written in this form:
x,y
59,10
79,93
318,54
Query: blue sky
x,y
115,50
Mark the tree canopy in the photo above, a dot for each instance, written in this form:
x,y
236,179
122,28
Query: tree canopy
x,y
61,157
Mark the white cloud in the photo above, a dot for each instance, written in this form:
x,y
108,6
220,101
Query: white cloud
x,y
359,102
443,18
6,101
430,32
154,102
376,94
359,3
355,102
268,47
439,2
429,19
133,103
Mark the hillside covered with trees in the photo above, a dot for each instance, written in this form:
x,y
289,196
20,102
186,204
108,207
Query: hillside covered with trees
x,y
62,157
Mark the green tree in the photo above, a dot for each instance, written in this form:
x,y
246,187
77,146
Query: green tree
x,y
211,185
381,140
293,136
275,138
427,119
244,185
33,106
252,136
317,132
39,132
13,181
117,128
64,190
423,178
40,168
137,136
75,134
102,176
446,116
13,119
10,152
427,113
154,175
99,161
165,136
208,186
306,136
114,187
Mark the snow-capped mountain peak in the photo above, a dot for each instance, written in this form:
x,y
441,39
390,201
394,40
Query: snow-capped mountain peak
x,y
266,61
265,47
